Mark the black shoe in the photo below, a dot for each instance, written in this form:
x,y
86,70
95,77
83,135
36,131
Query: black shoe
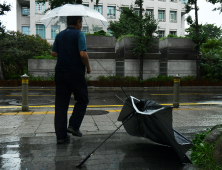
x,y
61,141
74,132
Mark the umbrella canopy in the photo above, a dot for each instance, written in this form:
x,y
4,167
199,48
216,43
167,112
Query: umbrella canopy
x,y
72,10
154,122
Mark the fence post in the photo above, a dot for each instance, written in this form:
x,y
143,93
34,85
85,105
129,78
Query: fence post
x,y
176,91
25,86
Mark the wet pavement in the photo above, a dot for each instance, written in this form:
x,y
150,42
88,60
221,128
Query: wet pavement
x,y
107,96
28,141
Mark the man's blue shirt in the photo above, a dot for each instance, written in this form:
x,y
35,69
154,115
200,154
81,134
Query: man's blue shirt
x,y
68,45
81,43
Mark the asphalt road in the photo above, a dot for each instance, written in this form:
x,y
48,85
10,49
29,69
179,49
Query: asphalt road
x,y
46,96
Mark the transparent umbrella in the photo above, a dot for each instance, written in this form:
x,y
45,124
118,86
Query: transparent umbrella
x,y
59,14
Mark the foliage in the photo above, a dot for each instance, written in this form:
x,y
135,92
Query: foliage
x,y
132,78
211,65
99,33
188,78
211,45
170,36
219,8
57,3
45,57
128,35
202,154
3,8
160,78
17,48
208,30
41,78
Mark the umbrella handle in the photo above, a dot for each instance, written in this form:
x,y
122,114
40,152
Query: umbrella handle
x,y
84,160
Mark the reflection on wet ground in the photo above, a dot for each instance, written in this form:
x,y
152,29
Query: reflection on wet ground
x,y
121,152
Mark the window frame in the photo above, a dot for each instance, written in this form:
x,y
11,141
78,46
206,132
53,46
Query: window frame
x,y
175,14
37,33
114,16
39,5
161,34
26,31
149,12
53,31
87,29
23,14
175,32
164,13
96,6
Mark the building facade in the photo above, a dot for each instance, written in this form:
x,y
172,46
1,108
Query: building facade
x,y
170,13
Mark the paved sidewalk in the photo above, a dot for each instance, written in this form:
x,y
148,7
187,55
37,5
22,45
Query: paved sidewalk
x,y
27,140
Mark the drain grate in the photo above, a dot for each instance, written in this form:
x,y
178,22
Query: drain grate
x,y
96,112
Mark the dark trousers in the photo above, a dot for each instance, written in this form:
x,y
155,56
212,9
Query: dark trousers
x,y
66,84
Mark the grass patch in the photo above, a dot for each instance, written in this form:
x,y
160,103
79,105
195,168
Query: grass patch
x,y
202,153
45,57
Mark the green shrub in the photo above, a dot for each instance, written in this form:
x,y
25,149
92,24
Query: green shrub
x,y
17,48
103,78
45,57
188,78
130,78
160,78
100,33
170,36
202,154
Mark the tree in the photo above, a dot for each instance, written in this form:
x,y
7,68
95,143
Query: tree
x,y
197,38
3,8
219,8
57,3
210,30
141,28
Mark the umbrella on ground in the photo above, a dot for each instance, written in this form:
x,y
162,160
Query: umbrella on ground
x,y
60,13
154,122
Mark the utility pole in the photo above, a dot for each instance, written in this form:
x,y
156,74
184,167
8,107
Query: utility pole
x,y
141,56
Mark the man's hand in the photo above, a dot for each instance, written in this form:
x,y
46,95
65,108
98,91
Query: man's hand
x,y
89,69
54,54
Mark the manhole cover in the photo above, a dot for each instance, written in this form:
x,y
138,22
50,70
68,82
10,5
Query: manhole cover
x,y
96,112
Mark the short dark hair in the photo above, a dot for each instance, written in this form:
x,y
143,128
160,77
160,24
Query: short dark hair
x,y
72,20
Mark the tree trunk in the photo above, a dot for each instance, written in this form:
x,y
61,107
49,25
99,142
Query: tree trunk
x,y
1,65
141,56
198,47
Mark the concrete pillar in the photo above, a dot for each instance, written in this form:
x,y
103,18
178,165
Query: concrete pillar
x,y
25,86
176,91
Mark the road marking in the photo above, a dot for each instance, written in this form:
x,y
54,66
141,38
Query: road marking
x,y
183,94
93,106
24,113
116,111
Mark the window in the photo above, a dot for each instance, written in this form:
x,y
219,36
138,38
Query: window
x,y
184,1
161,34
173,32
137,11
110,32
40,8
111,12
26,11
149,12
173,0
55,29
120,68
97,28
87,5
99,9
163,68
173,16
26,30
85,29
40,30
161,15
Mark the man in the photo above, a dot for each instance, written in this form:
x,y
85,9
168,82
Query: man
x,y
70,49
